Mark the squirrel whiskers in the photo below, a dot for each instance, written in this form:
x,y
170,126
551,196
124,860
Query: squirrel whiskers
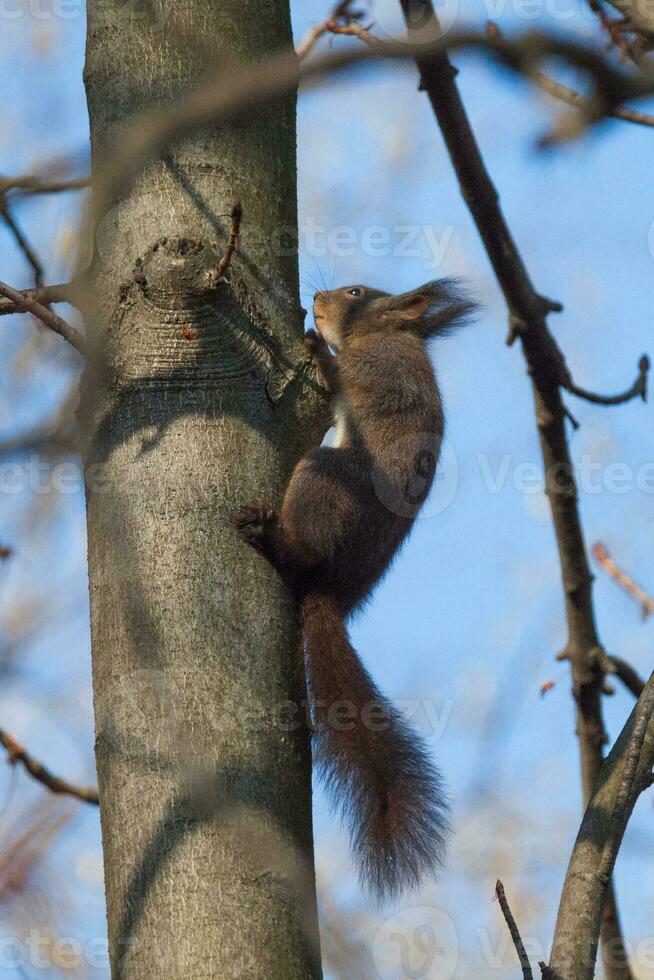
x,y
346,511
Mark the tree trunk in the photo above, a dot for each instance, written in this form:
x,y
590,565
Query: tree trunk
x,y
200,398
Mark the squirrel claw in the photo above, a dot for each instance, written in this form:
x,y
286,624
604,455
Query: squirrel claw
x,y
313,342
255,519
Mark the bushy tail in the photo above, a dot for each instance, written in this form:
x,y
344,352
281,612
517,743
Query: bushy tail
x,y
375,767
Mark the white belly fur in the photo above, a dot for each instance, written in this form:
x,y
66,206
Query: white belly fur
x,y
342,434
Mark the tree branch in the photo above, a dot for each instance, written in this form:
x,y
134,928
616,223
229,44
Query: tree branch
x,y
227,94
341,21
626,673
17,754
33,184
527,317
579,101
575,99
22,242
602,555
637,390
232,245
527,973
638,21
631,785
615,31
60,293
24,303
625,774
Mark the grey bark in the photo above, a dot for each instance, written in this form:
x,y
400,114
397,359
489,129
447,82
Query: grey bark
x,y
625,774
199,398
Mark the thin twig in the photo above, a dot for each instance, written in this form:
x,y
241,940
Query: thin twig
x,y
22,242
575,99
25,304
33,184
600,552
17,754
340,21
579,101
313,36
637,390
625,673
60,293
527,973
355,30
615,30
225,96
232,246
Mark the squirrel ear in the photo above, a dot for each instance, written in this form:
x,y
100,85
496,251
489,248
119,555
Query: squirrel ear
x,y
411,306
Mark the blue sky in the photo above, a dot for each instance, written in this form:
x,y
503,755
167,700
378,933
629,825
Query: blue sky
x,y
466,625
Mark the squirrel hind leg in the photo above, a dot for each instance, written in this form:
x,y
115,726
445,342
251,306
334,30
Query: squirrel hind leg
x,y
258,524
256,521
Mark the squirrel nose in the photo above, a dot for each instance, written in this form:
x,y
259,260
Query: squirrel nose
x,y
317,295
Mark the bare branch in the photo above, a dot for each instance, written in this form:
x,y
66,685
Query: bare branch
x,y
630,788
228,94
355,30
527,973
601,553
33,184
572,98
637,390
625,774
311,39
234,234
61,293
17,754
638,21
615,31
626,673
341,21
22,242
527,317
24,304
579,101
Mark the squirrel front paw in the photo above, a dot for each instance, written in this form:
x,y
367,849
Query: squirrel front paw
x,y
254,520
314,343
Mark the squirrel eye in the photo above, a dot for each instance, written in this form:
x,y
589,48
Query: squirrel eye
x,y
354,292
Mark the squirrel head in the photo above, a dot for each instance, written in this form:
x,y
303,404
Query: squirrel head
x,y
356,311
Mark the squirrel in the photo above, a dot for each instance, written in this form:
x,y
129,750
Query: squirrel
x,y
346,511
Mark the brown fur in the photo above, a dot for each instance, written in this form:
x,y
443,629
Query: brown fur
x,y
345,513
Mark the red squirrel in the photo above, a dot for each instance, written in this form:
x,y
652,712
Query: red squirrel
x,y
346,511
